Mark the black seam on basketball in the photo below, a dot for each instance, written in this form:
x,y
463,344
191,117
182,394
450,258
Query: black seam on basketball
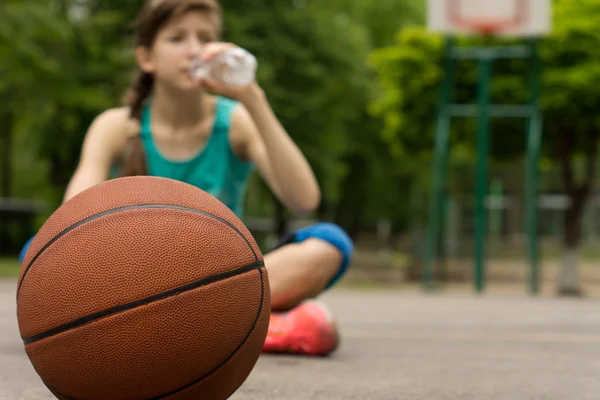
x,y
147,300
127,208
221,364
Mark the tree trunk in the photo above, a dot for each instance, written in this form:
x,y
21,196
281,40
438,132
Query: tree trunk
x,y
57,172
568,283
568,280
349,211
322,211
6,178
6,148
281,222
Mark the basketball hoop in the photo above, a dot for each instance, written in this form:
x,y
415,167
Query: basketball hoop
x,y
509,18
484,24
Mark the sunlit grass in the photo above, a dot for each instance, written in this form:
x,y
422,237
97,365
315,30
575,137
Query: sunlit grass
x,y
9,267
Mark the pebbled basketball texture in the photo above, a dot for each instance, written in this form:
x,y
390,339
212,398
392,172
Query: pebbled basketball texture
x,y
143,288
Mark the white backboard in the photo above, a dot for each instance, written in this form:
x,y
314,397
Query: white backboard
x,y
536,16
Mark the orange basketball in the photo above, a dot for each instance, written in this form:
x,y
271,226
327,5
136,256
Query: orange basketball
x,y
143,288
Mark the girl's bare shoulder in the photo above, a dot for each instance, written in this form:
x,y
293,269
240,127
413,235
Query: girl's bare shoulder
x,y
116,126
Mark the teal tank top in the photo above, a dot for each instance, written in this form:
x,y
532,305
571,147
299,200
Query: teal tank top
x,y
215,169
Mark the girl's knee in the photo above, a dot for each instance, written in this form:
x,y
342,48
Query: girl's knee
x,y
333,235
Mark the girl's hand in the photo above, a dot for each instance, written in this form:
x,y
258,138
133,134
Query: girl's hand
x,y
209,53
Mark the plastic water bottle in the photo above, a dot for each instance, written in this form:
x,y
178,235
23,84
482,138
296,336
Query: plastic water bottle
x,y
234,67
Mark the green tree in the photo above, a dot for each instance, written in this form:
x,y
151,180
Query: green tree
x,y
66,66
410,72
29,72
312,65
572,63
367,197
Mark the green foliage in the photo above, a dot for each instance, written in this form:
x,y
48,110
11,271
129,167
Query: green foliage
x,y
411,70
60,72
9,268
312,69
410,73
572,63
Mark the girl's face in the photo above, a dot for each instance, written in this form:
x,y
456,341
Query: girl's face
x,y
175,47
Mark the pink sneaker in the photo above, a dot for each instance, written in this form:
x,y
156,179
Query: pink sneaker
x,y
308,329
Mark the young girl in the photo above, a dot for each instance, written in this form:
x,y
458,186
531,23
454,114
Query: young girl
x,y
171,127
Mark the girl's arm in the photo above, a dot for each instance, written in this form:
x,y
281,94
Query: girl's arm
x,y
103,142
274,153
266,142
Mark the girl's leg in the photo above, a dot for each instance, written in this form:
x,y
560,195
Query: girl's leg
x,y
305,264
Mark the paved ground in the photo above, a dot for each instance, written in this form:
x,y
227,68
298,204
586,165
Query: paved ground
x,y
408,346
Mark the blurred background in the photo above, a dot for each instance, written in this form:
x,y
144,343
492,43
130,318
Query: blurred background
x,y
357,85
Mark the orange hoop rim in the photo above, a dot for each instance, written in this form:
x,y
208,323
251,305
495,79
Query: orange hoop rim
x,y
488,26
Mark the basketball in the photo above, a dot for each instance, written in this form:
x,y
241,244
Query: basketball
x,y
143,288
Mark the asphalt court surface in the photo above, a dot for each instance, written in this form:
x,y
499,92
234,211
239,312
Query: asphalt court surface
x,y
406,346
